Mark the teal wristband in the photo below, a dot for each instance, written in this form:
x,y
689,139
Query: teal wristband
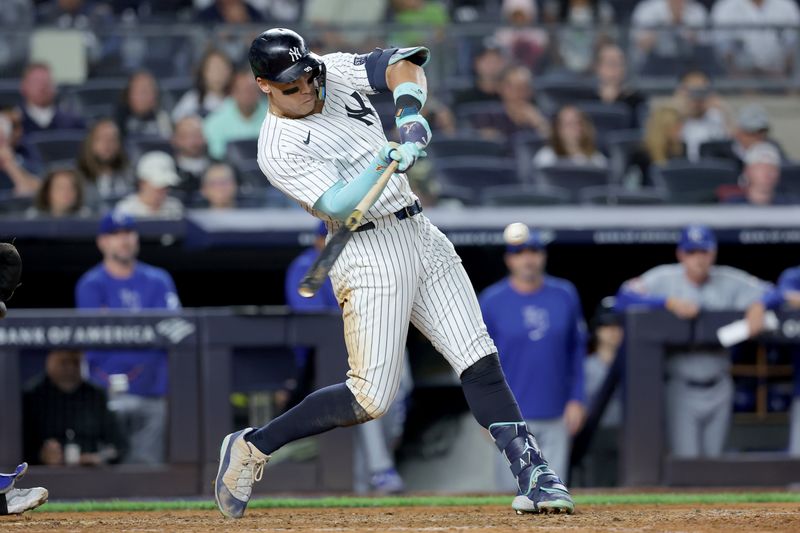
x,y
409,95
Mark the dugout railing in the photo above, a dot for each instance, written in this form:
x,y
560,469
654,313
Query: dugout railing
x,y
201,346
644,460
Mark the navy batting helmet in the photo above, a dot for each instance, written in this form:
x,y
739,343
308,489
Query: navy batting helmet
x,y
282,56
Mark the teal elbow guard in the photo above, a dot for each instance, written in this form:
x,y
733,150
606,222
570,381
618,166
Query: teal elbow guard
x,y
340,200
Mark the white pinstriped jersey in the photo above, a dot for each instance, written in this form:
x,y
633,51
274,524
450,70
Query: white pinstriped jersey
x,y
305,157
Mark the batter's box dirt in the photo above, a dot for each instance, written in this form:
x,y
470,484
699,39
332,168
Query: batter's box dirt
x,y
622,518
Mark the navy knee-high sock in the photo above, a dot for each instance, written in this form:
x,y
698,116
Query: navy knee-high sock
x,y
487,393
322,410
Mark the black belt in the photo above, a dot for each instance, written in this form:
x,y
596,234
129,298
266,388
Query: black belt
x,y
406,212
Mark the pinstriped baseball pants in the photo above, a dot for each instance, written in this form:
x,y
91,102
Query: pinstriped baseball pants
x,y
401,272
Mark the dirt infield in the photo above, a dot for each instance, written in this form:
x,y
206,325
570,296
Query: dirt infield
x,y
694,518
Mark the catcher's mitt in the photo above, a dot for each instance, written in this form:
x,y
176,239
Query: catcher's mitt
x,y
10,273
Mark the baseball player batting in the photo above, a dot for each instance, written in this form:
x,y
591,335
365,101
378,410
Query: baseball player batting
x,y
323,145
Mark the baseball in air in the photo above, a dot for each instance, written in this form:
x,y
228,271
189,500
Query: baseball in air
x,y
516,233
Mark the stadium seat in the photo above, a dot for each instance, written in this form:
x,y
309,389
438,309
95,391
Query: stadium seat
x,y
241,153
521,195
572,177
525,145
57,145
553,92
136,146
617,195
693,182
621,145
476,173
9,93
253,184
466,144
710,149
97,98
606,117
479,114
790,179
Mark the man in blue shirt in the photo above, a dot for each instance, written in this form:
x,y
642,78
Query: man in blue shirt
x,y
537,324
138,378
786,294
373,467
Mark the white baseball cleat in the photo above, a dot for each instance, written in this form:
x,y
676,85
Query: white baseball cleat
x,y
20,500
240,465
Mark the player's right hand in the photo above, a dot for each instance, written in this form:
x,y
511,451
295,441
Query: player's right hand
x,y
405,154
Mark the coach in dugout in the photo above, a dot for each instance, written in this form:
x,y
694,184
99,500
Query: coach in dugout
x,y
537,324
699,391
139,377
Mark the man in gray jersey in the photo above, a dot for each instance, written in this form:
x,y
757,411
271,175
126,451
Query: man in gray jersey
x,y
699,385
322,144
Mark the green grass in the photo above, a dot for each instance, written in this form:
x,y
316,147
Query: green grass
x,y
717,498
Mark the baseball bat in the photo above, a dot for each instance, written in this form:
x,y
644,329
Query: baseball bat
x,y
319,270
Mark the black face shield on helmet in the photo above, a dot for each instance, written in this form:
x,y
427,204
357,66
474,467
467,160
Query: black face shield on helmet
x,y
282,56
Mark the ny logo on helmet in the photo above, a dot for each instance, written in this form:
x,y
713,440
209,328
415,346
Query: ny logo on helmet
x,y
295,53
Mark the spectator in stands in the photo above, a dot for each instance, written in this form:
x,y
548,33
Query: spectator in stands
x,y
519,110
39,109
412,14
607,336
66,418
239,117
15,179
699,391
537,324
191,153
61,195
612,84
583,24
140,377
752,127
219,187
571,141
211,86
488,66
754,50
229,12
785,295
26,156
705,114
521,39
104,164
328,16
666,31
156,173
662,142
140,113
761,177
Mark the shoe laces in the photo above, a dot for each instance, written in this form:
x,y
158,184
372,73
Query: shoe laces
x,y
258,468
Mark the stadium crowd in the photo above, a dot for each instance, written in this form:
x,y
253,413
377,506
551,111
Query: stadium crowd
x,y
540,109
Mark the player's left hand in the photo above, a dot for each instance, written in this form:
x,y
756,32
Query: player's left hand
x,y
405,154
414,129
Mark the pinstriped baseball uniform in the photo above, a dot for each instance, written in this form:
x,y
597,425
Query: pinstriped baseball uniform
x,y
403,270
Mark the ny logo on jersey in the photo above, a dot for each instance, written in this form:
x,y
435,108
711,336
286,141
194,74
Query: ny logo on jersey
x,y
359,114
295,54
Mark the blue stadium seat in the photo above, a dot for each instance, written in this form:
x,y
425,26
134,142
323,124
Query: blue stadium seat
x,y
137,146
477,114
790,179
58,145
694,182
9,93
476,173
522,195
525,145
242,153
617,195
553,92
253,184
621,145
466,143
572,177
606,117
97,98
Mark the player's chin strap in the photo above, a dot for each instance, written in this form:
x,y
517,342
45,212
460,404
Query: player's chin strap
x,y
524,457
